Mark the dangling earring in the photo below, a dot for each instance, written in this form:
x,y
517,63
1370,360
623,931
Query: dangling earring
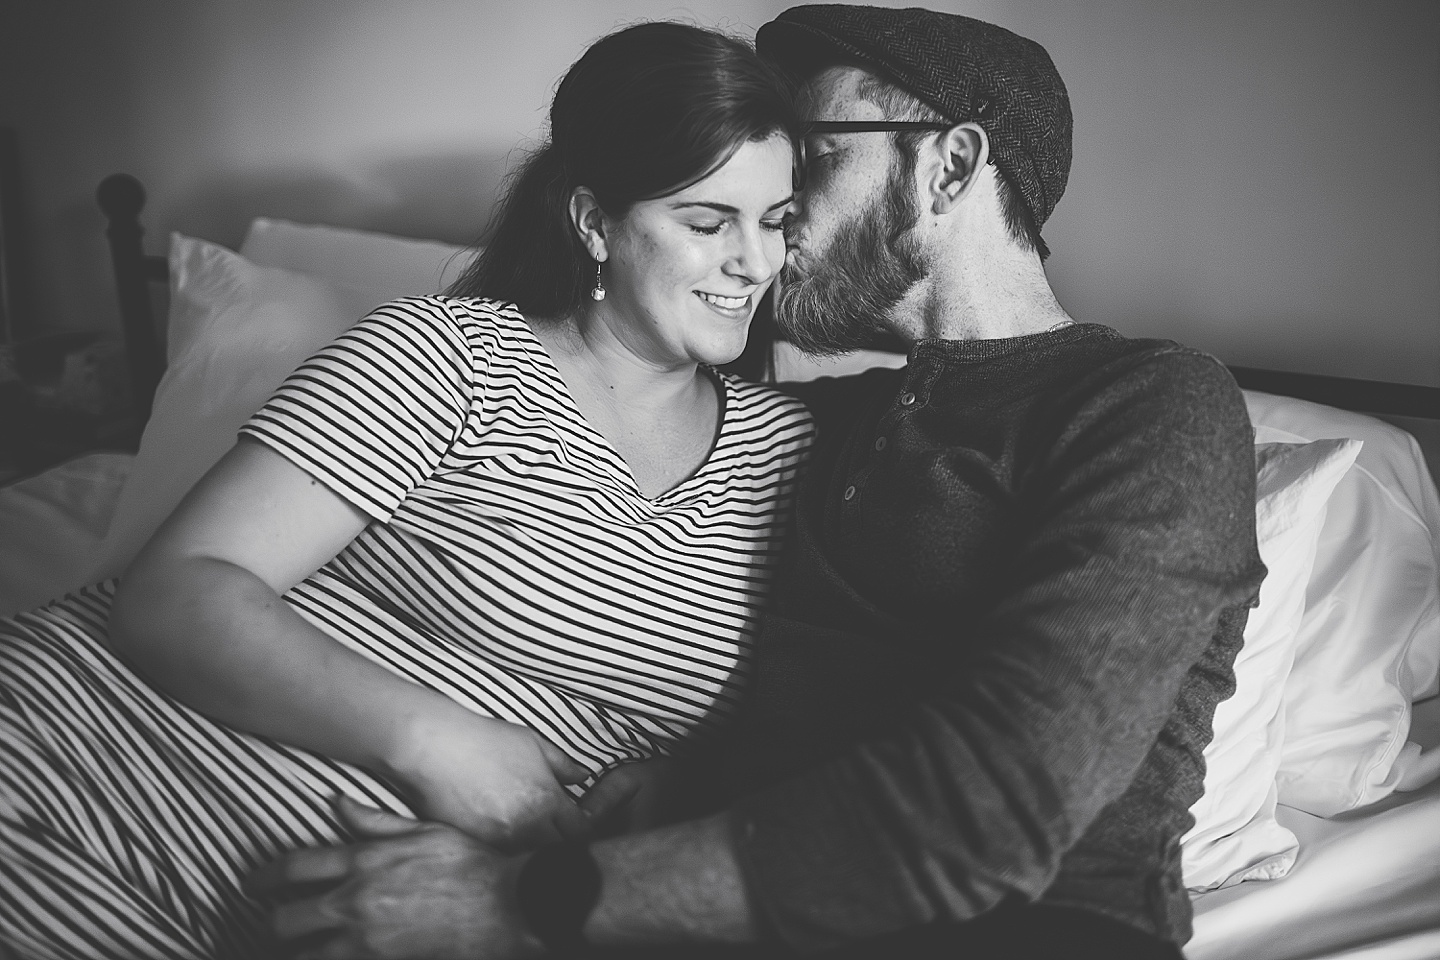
x,y
599,292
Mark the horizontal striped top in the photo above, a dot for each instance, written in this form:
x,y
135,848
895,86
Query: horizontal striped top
x,y
512,562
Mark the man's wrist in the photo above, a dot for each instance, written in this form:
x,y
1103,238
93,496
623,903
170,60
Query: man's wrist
x,y
672,885
556,888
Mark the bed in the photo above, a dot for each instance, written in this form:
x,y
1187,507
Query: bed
x,y
1319,835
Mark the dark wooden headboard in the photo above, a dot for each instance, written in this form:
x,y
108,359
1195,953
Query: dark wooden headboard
x,y
122,197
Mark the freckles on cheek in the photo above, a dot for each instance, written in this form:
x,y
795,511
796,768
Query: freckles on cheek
x,y
646,244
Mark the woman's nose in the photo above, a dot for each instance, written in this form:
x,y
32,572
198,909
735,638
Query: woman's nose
x,y
751,260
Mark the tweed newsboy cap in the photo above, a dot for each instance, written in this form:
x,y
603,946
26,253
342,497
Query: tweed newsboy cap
x,y
967,69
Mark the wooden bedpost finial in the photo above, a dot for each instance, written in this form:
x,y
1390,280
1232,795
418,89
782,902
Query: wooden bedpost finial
x,y
121,197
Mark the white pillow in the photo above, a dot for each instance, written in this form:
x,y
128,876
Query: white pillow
x,y
379,265
1369,642
1235,836
236,331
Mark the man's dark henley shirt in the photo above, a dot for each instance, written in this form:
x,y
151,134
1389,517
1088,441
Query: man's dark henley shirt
x,y
1012,598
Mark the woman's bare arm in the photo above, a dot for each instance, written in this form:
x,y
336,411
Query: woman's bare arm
x,y
200,613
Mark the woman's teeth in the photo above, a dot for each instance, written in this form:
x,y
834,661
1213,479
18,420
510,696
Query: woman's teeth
x,y
728,303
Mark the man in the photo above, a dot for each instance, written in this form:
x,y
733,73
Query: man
x,y
1017,583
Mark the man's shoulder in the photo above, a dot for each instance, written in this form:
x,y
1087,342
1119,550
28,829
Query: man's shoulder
x,y
1165,370
1166,398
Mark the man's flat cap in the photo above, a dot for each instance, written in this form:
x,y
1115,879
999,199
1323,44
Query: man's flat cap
x,y
966,69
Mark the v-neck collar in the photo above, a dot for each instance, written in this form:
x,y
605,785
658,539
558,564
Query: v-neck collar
x,y
614,462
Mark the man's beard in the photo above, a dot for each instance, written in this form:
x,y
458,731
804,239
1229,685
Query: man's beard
x,y
870,265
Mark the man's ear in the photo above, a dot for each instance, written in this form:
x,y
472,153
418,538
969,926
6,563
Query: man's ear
x,y
963,150
588,222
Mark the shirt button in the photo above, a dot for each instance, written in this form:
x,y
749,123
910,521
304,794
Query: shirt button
x,y
880,443
850,492
907,399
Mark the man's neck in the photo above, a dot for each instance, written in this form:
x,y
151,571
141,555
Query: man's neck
x,y
1003,293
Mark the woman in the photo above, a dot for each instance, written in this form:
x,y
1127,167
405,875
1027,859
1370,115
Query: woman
x,y
482,547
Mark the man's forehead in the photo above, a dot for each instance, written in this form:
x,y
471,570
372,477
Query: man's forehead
x,y
834,94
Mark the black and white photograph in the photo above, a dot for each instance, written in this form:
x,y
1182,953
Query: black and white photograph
x,y
731,480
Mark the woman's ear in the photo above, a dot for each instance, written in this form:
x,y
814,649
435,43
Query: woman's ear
x,y
588,222
964,150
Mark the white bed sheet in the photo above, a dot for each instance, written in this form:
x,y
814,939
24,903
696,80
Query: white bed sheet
x,y
1366,885
51,525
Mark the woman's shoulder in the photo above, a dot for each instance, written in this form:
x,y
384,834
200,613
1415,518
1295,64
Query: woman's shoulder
x,y
460,309
494,324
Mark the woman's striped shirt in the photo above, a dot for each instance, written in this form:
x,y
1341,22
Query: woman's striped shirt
x,y
513,563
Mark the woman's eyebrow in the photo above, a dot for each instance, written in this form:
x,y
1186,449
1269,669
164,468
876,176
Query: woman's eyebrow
x,y
725,207
717,207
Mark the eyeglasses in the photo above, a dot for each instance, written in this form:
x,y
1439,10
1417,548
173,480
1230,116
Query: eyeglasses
x,y
871,126
818,127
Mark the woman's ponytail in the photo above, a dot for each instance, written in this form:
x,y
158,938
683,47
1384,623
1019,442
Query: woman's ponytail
x,y
532,257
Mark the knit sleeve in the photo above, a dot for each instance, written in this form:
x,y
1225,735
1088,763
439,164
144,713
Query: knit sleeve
x,y
373,414
1135,549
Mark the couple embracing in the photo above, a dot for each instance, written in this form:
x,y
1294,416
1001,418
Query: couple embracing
x,y
482,642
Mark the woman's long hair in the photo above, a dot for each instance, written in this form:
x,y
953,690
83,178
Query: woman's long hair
x,y
644,113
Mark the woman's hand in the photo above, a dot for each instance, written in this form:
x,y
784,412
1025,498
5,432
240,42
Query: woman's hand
x,y
499,782
631,797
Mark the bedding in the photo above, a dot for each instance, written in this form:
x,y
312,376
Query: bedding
x,y
1365,886
52,523
1236,836
380,266
1352,638
1369,644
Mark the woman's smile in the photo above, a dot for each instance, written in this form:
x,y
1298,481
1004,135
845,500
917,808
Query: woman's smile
x,y
734,307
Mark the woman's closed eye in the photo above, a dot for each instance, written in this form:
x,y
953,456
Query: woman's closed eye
x,y
774,224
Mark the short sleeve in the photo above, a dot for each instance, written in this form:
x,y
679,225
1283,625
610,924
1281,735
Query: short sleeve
x,y
373,414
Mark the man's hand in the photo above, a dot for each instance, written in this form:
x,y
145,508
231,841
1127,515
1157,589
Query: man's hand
x,y
405,889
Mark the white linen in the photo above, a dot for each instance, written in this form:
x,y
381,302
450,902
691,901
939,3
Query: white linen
x,y
382,266
1369,643
1236,836
51,525
1366,885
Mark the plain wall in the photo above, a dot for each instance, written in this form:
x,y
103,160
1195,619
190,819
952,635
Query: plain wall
x,y
1260,179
